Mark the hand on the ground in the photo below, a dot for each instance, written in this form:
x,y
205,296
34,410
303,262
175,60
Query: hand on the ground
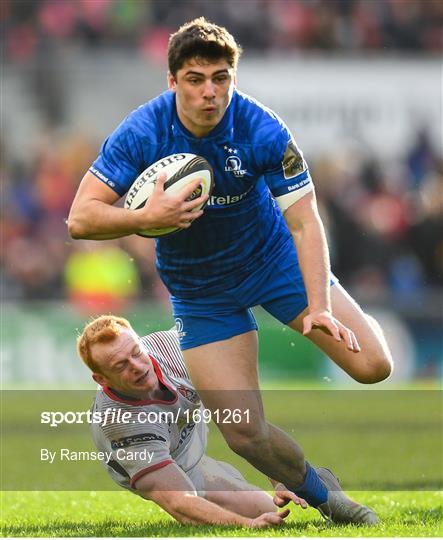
x,y
283,496
325,321
269,519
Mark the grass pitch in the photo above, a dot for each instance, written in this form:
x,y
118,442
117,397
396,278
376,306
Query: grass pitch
x,y
107,514
386,448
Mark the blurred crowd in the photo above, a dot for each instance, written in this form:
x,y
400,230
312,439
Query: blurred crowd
x,y
384,219
384,222
39,260
31,27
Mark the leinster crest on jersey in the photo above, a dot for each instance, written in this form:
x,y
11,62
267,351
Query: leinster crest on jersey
x,y
233,163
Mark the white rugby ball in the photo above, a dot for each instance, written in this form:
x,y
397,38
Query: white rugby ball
x,y
180,169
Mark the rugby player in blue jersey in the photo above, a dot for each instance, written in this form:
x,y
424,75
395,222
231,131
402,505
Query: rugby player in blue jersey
x,y
259,241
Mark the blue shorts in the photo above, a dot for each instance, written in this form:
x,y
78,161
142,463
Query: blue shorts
x,y
277,286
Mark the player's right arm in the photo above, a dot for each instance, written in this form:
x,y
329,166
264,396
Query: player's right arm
x,y
171,489
93,215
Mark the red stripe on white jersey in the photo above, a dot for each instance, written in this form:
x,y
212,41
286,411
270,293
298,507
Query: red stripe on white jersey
x,y
164,345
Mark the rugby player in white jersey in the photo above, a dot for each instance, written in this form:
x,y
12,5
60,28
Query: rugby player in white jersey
x,y
160,458
259,241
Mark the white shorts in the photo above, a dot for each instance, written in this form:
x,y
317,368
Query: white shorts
x,y
209,473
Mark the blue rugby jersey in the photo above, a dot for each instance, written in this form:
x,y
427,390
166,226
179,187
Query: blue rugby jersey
x,y
253,156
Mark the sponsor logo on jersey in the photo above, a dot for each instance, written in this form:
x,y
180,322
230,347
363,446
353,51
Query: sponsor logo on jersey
x,y
293,162
179,327
136,439
299,184
186,432
222,200
97,173
188,393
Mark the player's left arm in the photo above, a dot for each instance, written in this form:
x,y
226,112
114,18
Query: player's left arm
x,y
173,490
309,236
288,178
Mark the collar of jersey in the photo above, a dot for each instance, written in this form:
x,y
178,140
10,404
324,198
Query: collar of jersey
x,y
117,396
220,129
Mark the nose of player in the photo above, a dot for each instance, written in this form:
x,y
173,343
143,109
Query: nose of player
x,y
138,366
209,90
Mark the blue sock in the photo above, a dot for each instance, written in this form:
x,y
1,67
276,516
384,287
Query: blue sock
x,y
313,490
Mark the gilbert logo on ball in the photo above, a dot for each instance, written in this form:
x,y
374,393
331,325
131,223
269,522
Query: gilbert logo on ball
x,y
180,169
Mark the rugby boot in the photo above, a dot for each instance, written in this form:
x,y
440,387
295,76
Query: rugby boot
x,y
339,508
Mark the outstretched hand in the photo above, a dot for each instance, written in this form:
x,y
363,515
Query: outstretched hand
x,y
269,519
325,321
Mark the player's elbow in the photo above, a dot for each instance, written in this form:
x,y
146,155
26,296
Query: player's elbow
x,y
78,223
75,228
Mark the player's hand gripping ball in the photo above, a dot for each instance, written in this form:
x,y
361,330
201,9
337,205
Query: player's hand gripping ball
x,y
180,170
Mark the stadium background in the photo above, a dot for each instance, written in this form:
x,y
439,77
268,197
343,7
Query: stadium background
x,y
357,81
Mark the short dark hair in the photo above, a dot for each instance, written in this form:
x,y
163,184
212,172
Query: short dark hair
x,y
201,39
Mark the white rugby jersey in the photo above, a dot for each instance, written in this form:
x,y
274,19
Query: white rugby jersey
x,y
151,439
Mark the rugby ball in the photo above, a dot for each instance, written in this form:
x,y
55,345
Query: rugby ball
x,y
180,169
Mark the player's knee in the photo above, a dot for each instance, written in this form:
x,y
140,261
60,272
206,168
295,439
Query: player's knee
x,y
375,369
382,369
